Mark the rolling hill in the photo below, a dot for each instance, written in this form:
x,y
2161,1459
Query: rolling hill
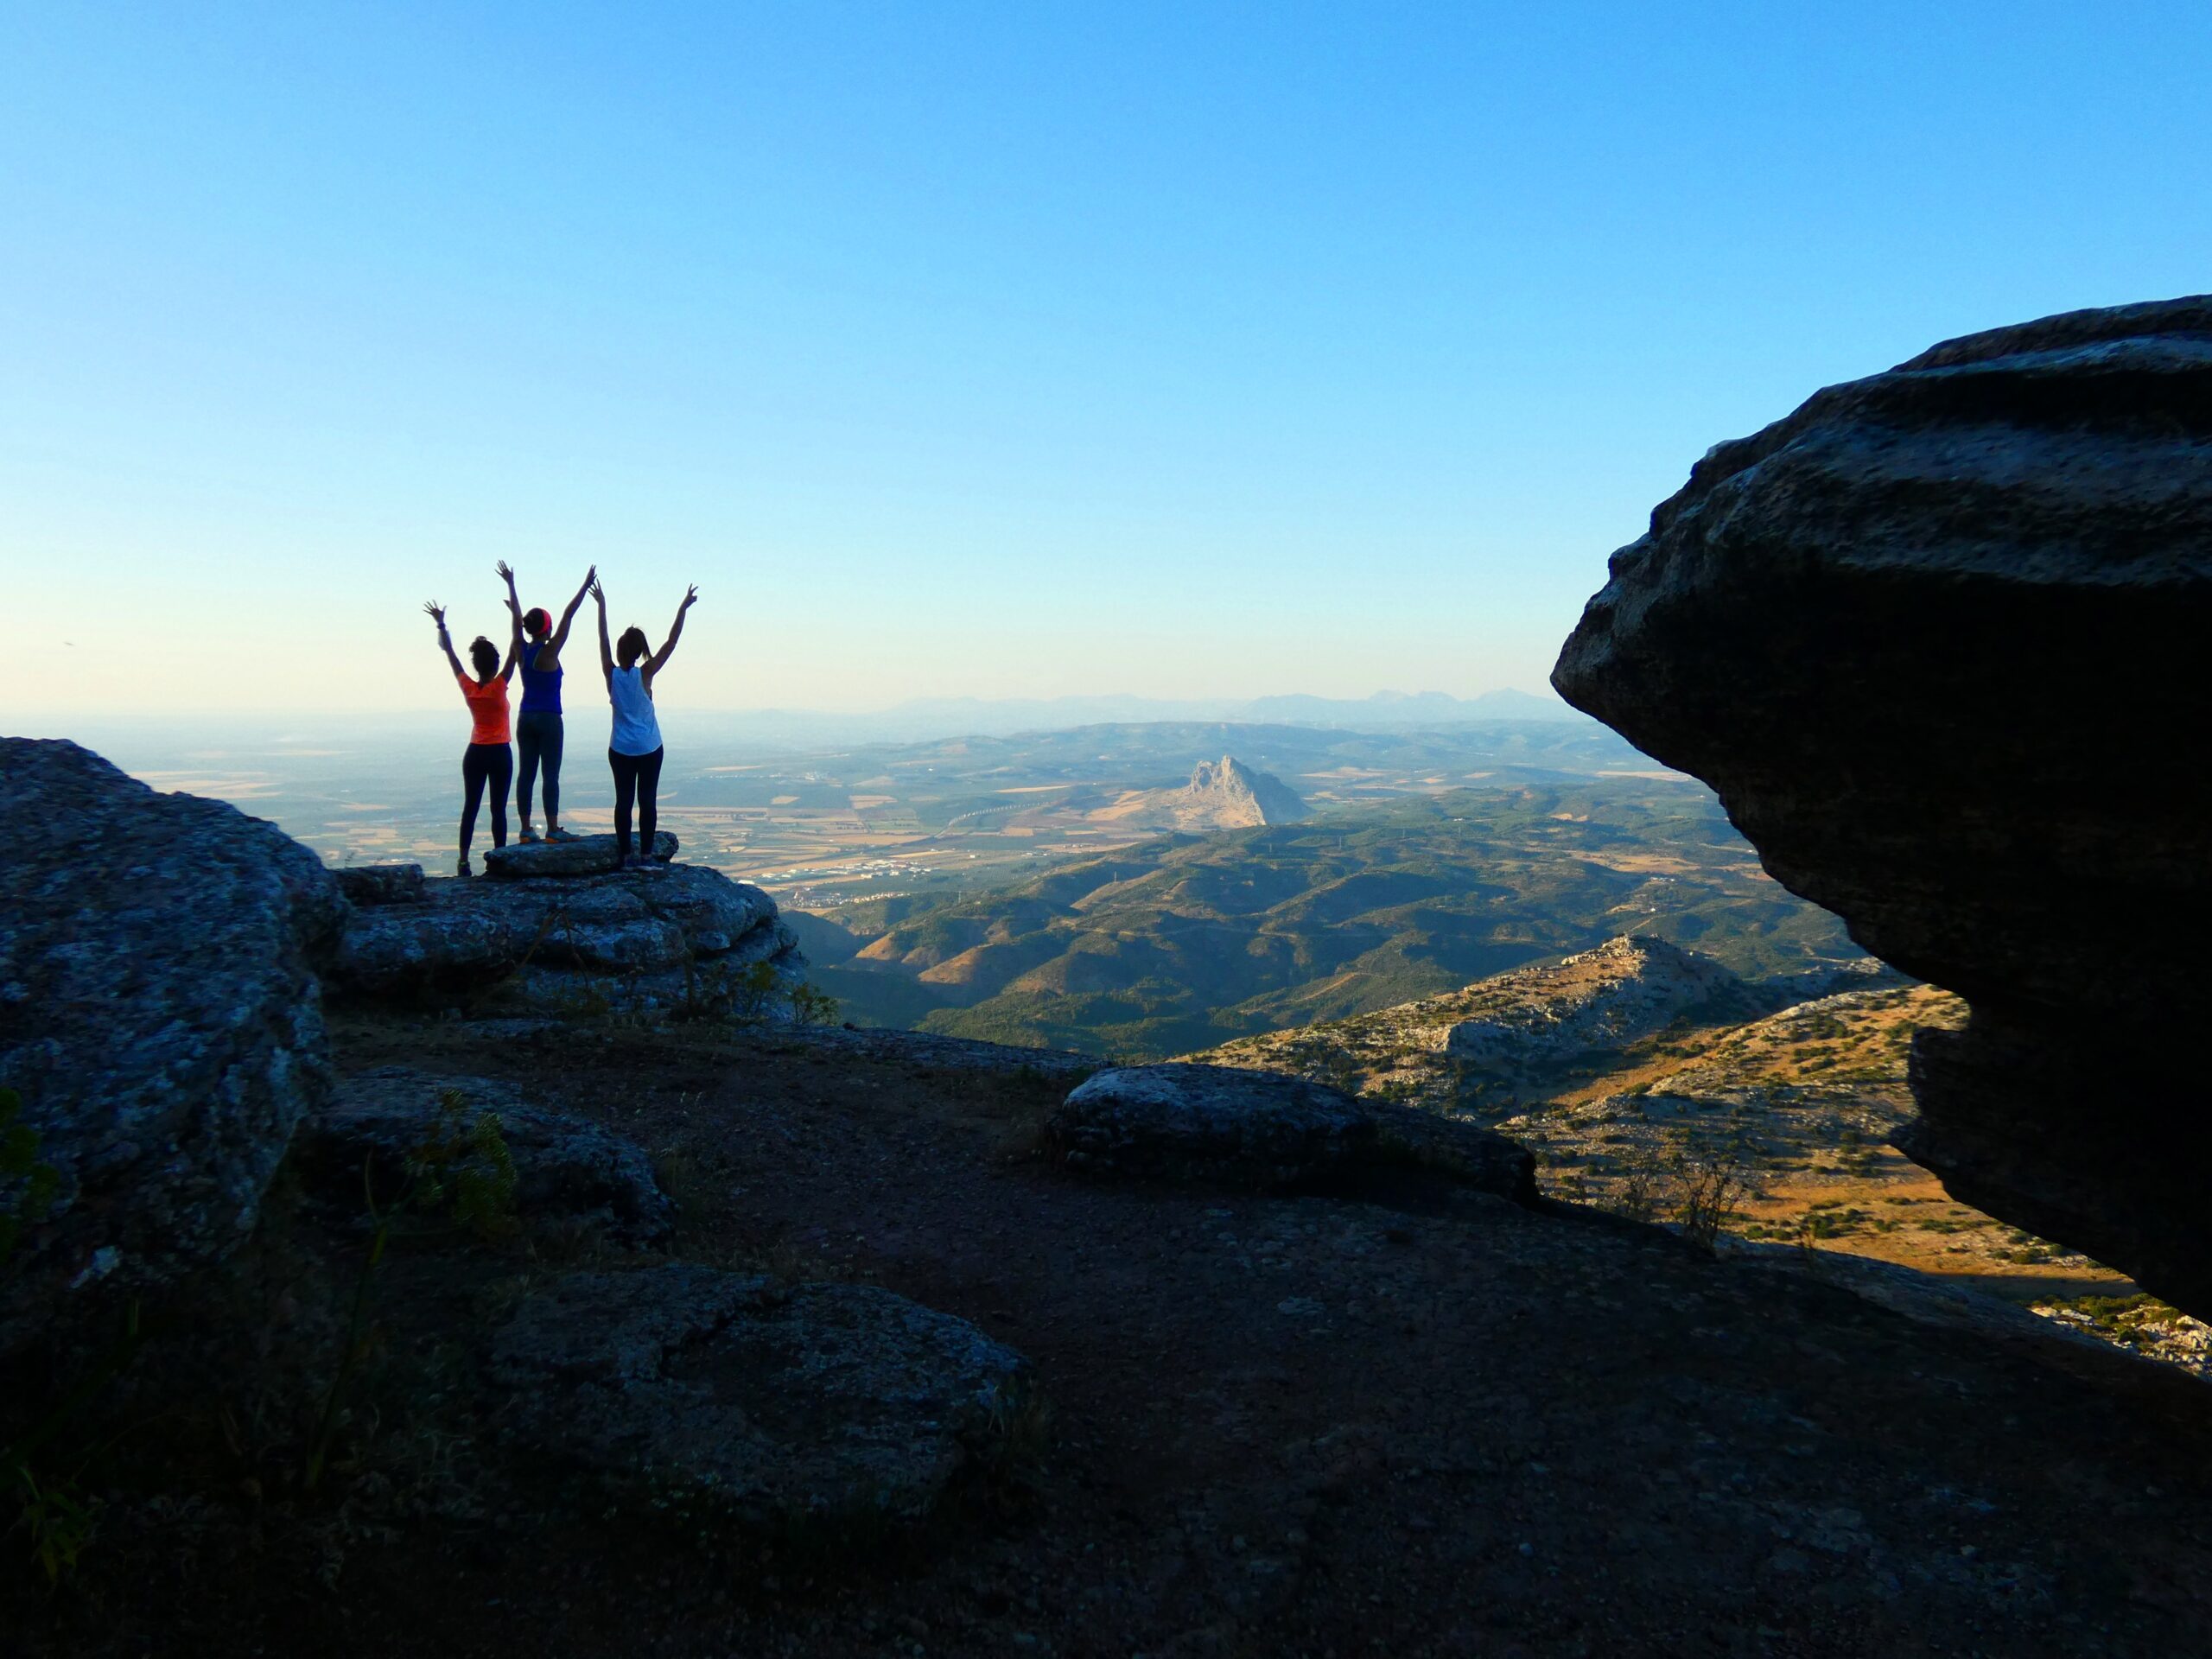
x,y
1188,941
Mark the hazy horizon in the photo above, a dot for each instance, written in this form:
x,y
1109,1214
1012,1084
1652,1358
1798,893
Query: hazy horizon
x,y
973,352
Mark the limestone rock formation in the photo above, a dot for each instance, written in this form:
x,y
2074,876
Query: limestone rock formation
x,y
1228,794
380,884
1262,1131
541,941
584,856
1204,1123
1626,988
1936,638
684,1386
567,1168
159,1016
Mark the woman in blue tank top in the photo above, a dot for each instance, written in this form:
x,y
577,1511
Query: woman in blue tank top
x,y
537,726
633,749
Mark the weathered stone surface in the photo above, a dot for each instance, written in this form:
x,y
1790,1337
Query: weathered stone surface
x,y
1260,1131
1936,638
159,1015
381,884
567,1168
463,937
1208,1124
585,856
763,1403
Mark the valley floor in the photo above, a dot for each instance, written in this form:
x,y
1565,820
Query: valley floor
x,y
1373,1423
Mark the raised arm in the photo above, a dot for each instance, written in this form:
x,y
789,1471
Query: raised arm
x,y
605,651
437,613
561,634
514,618
675,633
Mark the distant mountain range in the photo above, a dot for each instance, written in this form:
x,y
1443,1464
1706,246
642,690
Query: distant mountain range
x,y
927,718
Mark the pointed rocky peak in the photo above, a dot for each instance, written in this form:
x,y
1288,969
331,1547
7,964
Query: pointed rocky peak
x,y
1233,794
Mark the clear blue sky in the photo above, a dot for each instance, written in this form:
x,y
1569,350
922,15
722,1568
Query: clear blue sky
x,y
958,350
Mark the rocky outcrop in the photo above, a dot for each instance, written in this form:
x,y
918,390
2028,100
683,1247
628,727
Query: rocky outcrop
x,y
579,856
686,1387
568,1171
1627,988
159,1017
1937,639
1262,1131
638,936
1227,793
380,884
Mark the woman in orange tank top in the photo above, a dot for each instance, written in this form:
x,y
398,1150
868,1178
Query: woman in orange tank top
x,y
487,762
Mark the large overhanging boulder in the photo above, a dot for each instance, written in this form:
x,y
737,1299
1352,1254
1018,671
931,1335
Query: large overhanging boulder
x,y
159,1019
1938,639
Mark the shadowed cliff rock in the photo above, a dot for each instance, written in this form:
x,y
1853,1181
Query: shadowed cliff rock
x,y
159,1016
1937,639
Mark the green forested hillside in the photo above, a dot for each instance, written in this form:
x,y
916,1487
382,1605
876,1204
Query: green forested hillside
x,y
1187,941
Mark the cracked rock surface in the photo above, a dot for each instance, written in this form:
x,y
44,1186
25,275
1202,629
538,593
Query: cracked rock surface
x,y
547,937
159,1017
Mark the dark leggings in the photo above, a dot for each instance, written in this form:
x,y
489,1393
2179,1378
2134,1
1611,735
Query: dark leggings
x,y
638,776
482,764
537,742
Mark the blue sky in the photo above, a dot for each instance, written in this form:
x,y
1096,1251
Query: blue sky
x,y
982,351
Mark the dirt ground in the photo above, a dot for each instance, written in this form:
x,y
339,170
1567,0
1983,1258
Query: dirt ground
x,y
1321,1425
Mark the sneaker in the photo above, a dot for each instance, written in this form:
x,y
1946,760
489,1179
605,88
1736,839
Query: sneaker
x,y
528,837
633,863
461,869
561,834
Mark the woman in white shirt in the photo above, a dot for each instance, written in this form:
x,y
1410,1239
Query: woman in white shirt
x,y
634,750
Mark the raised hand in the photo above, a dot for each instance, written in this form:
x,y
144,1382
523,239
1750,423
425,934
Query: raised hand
x,y
690,597
598,593
506,572
434,610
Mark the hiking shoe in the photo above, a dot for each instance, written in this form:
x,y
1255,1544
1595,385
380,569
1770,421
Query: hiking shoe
x,y
561,835
527,838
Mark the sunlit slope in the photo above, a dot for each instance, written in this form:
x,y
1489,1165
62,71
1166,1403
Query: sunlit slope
x,y
1634,1074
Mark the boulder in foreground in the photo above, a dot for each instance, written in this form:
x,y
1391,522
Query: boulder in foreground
x,y
684,1386
1938,639
1263,1131
160,1018
567,1168
552,943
